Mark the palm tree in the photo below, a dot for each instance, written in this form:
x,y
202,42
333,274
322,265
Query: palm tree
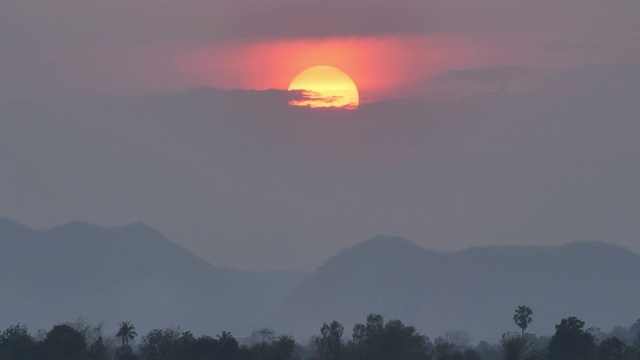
x,y
522,317
126,332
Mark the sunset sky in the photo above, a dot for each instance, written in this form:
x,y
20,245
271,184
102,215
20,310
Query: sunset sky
x,y
480,122
389,49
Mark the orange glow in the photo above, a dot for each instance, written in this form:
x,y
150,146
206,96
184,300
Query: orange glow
x,y
325,86
382,67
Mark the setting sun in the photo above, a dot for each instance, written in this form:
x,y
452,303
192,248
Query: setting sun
x,y
325,86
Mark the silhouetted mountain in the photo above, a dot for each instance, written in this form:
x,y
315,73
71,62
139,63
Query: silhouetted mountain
x,y
134,273
127,273
475,289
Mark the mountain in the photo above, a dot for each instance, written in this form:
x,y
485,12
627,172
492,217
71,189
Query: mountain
x,y
127,273
134,273
475,289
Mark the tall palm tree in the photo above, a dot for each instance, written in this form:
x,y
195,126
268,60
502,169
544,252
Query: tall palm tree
x,y
522,317
126,332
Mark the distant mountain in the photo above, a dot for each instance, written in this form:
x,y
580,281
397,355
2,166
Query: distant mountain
x,y
127,273
475,289
134,273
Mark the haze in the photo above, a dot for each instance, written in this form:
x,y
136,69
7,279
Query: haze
x,y
503,123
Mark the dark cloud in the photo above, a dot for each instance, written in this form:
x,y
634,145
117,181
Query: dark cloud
x,y
620,79
568,46
493,75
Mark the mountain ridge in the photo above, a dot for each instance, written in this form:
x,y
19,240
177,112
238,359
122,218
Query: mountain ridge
x,y
430,289
134,272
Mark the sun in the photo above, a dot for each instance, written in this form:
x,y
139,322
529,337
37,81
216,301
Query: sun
x,y
325,86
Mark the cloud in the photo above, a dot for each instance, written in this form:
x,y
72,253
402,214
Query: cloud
x,y
621,79
493,75
567,46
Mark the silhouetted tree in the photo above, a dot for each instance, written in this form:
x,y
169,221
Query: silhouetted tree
x,y
17,343
228,346
375,340
159,344
471,354
571,341
522,317
513,347
329,345
126,332
537,355
282,348
64,343
263,335
97,350
125,353
203,348
459,338
613,349
444,350
489,351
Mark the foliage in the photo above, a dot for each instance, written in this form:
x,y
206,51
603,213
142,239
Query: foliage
x,y
17,343
125,352
513,347
460,339
522,317
613,349
571,341
393,340
329,345
126,332
373,340
64,342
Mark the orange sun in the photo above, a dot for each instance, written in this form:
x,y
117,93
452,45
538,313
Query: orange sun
x,y
325,86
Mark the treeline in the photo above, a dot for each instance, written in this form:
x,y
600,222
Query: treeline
x,y
373,340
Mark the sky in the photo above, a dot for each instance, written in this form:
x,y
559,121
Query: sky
x,y
481,122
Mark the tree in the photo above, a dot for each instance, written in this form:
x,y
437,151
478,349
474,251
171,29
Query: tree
x,y
402,342
227,346
125,353
571,341
376,340
459,338
613,349
91,333
471,354
97,350
64,343
126,332
329,344
444,350
203,348
368,337
282,347
393,340
17,343
522,317
513,347
159,344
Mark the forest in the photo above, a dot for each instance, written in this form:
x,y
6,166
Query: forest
x,y
374,339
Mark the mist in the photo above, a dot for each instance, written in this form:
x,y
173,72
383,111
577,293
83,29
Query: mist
x,y
157,187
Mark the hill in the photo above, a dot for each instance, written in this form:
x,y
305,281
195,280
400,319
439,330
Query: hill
x,y
134,273
475,289
127,273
